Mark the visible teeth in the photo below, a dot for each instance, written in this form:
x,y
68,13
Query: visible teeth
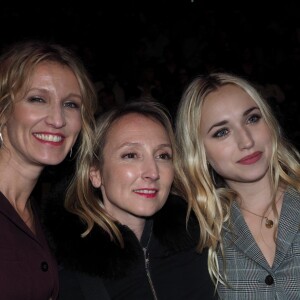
x,y
48,137
146,191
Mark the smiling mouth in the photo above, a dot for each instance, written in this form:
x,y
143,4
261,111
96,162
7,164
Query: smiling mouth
x,y
150,192
48,137
147,193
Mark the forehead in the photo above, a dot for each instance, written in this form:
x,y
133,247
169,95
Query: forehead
x,y
226,98
53,76
47,73
50,68
136,125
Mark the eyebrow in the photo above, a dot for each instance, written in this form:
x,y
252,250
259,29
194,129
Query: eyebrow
x,y
221,123
128,144
44,90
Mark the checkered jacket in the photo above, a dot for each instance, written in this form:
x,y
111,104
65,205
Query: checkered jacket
x,y
249,274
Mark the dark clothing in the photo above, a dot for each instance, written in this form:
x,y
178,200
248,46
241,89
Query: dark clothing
x,y
28,270
164,263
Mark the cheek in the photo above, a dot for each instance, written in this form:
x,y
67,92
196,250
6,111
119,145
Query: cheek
x,y
267,142
218,157
117,182
117,176
76,125
22,116
167,175
213,153
75,122
171,175
128,174
265,135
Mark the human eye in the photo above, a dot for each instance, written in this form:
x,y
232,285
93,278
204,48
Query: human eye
x,y
38,99
129,155
254,118
221,133
71,104
165,156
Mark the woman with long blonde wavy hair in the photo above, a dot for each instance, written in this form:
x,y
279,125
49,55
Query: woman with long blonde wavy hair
x,y
240,175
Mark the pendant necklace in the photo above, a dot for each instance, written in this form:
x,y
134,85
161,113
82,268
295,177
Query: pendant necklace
x,y
268,223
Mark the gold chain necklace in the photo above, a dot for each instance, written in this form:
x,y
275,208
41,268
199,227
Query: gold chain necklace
x,y
268,223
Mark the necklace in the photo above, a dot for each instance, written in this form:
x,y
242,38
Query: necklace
x,y
268,223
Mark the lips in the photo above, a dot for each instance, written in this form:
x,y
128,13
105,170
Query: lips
x,y
251,159
55,139
148,193
48,137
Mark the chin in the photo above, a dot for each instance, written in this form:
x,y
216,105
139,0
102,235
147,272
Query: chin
x,y
51,162
147,213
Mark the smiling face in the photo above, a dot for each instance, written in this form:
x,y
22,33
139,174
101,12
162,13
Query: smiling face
x,y
236,138
137,171
46,121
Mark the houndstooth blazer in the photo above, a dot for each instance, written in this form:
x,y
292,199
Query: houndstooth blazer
x,y
249,274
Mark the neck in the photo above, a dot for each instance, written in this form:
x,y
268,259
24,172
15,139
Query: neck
x,y
135,223
267,213
253,195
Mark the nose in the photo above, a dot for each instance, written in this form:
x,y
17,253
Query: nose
x,y
150,169
55,116
245,139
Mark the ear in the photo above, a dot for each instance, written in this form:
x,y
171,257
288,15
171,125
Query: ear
x,y
95,177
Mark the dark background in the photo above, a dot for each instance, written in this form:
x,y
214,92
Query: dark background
x,y
161,45
132,48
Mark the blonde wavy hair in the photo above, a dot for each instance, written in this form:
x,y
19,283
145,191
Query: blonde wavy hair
x,y
17,64
82,198
206,192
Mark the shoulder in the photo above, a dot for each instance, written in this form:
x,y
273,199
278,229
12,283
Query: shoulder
x,y
291,200
95,254
291,193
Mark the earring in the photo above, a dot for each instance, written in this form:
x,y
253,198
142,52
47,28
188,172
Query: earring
x,y
1,140
71,152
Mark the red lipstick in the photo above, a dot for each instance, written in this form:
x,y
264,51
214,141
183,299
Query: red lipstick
x,y
147,193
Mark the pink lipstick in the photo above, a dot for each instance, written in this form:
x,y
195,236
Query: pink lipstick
x,y
251,159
